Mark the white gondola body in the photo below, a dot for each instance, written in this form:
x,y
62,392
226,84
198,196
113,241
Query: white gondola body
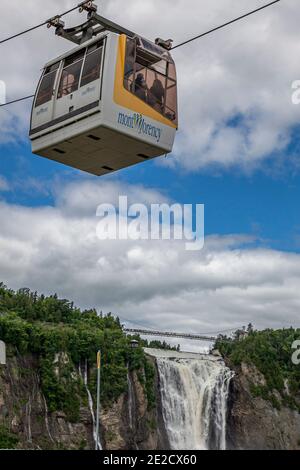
x,y
100,127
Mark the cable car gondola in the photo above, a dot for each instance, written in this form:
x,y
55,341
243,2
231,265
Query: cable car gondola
x,y
107,104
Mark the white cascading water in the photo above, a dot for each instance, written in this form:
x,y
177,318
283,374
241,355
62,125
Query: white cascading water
x,y
194,393
91,404
46,419
28,419
130,401
219,408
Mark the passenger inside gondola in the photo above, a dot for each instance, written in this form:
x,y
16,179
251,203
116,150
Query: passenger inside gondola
x,y
152,80
156,96
67,84
140,87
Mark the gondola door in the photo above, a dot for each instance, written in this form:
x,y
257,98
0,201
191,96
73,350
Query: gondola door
x,y
68,89
79,85
43,108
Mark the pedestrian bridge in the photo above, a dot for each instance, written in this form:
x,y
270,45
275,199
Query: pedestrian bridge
x,y
168,334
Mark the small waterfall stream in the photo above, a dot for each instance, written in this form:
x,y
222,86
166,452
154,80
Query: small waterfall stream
x,y
91,404
130,401
28,420
46,419
194,391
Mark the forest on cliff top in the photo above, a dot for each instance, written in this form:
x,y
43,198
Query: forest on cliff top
x,y
47,326
270,351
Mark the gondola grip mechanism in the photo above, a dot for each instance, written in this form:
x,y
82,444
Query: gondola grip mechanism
x,y
56,22
165,44
88,6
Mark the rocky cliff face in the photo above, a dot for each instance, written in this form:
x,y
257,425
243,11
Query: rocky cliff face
x,y
254,423
26,423
24,411
129,423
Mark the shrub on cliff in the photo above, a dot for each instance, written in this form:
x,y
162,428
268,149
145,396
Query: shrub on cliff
x,y
7,439
271,352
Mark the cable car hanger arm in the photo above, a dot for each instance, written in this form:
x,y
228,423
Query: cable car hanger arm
x,y
94,25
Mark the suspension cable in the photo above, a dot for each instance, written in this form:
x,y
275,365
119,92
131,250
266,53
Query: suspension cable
x,y
239,18
36,27
17,100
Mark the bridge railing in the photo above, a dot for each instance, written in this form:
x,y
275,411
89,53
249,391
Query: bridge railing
x,y
169,334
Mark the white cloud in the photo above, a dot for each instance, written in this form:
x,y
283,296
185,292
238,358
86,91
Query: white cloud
x,y
85,201
234,86
156,283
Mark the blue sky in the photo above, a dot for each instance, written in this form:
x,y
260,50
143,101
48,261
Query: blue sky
x,y
264,203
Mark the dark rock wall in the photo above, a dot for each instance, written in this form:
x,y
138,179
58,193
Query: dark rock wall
x,y
24,414
253,423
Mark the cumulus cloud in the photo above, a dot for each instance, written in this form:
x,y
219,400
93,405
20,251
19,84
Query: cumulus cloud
x,y
91,194
153,283
234,86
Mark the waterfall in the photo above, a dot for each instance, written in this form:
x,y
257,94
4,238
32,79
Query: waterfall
x,y
28,419
91,405
194,392
131,407
219,409
130,401
46,419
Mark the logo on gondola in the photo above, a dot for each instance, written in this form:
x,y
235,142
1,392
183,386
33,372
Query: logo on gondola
x,y
42,111
139,123
89,89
